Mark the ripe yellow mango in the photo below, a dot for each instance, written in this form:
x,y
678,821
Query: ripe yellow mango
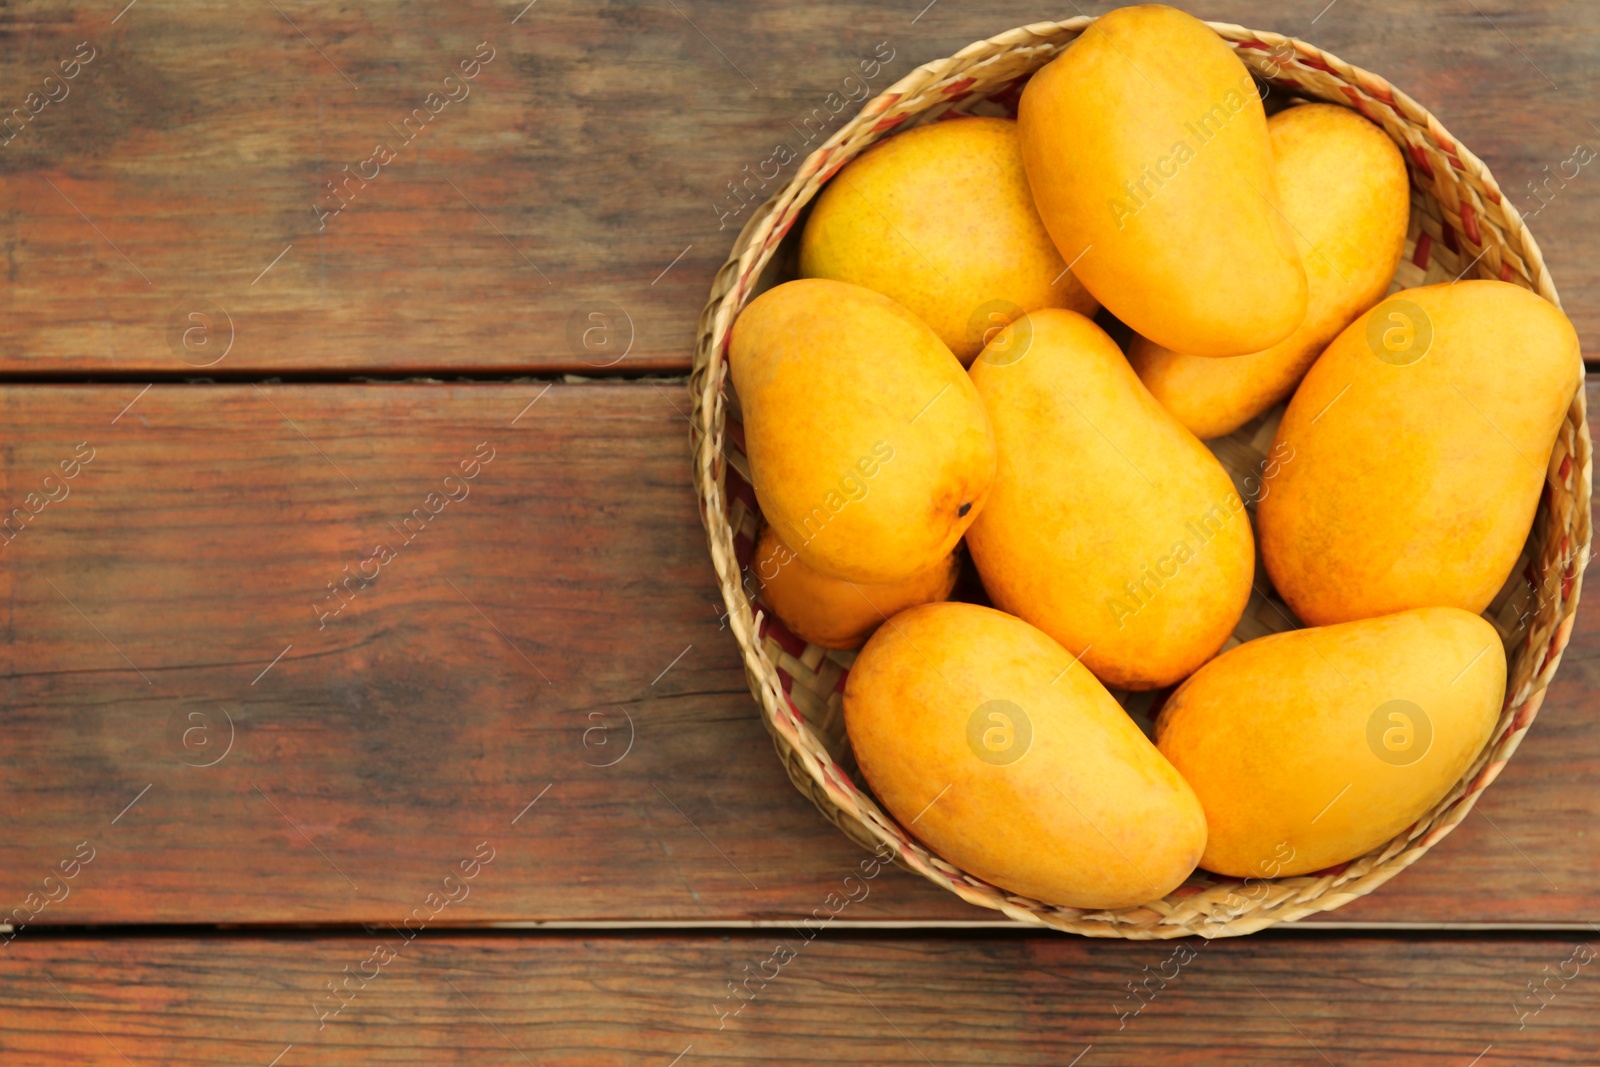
x,y
1343,188
1108,526
990,743
869,449
1146,147
1421,439
940,219
1313,747
835,613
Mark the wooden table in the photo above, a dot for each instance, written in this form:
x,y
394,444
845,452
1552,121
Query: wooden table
x,y
527,729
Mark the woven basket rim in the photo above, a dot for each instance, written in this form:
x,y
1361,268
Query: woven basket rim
x,y
805,756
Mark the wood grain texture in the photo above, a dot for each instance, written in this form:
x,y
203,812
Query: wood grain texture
x,y
532,224
1290,999
172,600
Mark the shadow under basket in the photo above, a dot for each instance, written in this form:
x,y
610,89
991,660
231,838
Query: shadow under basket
x,y
1461,226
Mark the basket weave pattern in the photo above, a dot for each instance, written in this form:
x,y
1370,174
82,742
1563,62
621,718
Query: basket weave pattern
x,y
1461,226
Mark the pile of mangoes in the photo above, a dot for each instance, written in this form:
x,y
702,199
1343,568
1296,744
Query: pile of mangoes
x,y
937,374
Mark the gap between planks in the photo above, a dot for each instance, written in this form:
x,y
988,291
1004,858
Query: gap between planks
x,y
345,377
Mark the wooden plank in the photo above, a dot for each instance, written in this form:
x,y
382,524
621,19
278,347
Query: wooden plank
x,y
569,211
571,1000
504,651
172,599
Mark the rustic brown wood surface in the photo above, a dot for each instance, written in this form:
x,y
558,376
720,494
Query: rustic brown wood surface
x,y
170,207
241,743
225,703
1286,999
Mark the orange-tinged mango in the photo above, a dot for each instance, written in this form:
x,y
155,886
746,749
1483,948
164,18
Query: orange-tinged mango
x,y
869,449
1421,440
1108,526
1146,147
833,612
940,219
1312,747
1343,188
990,743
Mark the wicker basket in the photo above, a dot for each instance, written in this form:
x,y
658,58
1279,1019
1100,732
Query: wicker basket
x,y
1460,225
